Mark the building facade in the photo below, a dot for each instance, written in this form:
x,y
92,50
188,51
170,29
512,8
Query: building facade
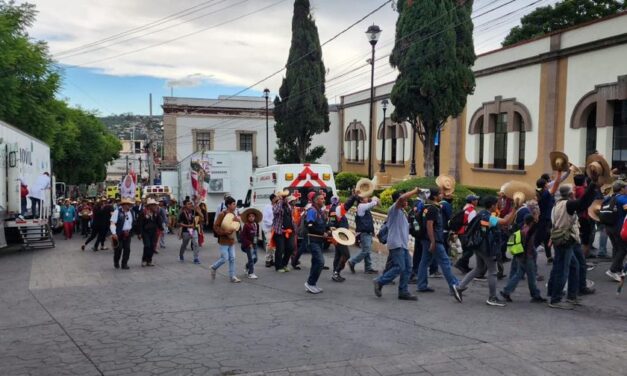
x,y
231,123
564,91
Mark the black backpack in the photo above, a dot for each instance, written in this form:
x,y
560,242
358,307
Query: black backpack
x,y
415,225
608,215
473,236
456,222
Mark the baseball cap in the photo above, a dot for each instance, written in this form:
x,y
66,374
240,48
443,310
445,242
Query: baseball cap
x,y
471,198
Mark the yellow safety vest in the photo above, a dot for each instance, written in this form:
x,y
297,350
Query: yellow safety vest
x,y
514,244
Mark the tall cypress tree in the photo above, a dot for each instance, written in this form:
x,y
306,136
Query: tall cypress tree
x,y
301,109
434,54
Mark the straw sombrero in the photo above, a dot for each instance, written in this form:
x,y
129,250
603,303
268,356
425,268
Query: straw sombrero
x,y
257,213
559,161
126,200
594,209
364,187
283,193
596,162
446,184
518,190
230,223
151,201
343,236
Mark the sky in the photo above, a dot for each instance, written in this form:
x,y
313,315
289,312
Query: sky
x,y
114,53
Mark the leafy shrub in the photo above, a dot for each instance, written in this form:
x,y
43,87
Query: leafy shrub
x,y
346,180
459,197
484,191
386,197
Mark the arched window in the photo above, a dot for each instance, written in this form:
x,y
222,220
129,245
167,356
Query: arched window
x,y
619,144
355,138
395,135
522,139
500,141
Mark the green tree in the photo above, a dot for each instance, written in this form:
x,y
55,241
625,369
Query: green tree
x,y
433,53
301,109
564,14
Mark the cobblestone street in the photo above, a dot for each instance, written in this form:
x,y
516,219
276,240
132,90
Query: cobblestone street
x,y
67,312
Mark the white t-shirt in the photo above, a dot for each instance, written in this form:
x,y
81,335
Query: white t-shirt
x,y
42,182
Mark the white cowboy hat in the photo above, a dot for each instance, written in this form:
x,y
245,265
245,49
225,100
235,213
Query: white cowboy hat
x,y
151,201
364,187
230,223
343,236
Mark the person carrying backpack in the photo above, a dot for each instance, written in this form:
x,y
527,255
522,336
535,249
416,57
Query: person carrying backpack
x,y
432,240
486,251
619,247
470,212
415,221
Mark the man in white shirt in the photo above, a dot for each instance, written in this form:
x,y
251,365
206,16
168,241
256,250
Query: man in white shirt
x,y
266,226
37,193
122,221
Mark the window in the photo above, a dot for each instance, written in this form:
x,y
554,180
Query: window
x,y
203,141
394,148
481,141
395,136
500,141
138,147
522,140
356,150
355,138
246,142
591,132
619,145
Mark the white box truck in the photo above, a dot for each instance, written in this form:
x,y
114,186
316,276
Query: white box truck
x,y
212,174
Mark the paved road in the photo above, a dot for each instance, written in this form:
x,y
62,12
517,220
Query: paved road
x,y
67,312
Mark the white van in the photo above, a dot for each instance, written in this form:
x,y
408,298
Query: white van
x,y
299,179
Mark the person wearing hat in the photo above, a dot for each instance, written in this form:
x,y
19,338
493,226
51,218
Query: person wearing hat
x,y
68,214
397,243
619,247
283,229
298,218
122,223
85,215
569,263
266,226
99,228
546,201
470,212
148,224
433,245
342,252
226,240
189,231
317,231
364,226
249,236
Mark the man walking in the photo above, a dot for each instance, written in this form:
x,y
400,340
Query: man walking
x,y
470,212
266,226
283,227
316,223
365,230
226,239
122,222
149,222
189,231
68,213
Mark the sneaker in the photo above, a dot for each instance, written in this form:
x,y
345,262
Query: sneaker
x,y
197,261
587,291
181,259
574,301
507,297
125,267
213,274
235,280
336,278
377,288
481,279
286,269
150,264
351,266
144,263
252,276
282,270
426,289
457,293
320,289
323,268
538,299
407,296
500,276
371,271
296,267
311,289
615,276
495,302
435,275
561,305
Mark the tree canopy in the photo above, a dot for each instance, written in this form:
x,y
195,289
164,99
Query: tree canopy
x,y
301,109
29,81
433,53
564,14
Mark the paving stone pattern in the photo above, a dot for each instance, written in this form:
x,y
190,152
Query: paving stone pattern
x,y
67,312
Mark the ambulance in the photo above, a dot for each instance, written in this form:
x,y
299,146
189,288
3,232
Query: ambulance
x,y
299,179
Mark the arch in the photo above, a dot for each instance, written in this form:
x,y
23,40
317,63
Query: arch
x,y
393,129
486,114
600,99
351,135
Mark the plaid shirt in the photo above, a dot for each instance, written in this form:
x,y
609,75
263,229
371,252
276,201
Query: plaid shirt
x,y
278,210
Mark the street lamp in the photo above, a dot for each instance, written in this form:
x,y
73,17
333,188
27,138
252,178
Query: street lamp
x,y
266,94
373,34
384,103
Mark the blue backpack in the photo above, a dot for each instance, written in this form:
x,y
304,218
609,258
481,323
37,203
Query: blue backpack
x,y
382,235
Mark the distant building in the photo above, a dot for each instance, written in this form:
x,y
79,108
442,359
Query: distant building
x,y
132,156
230,123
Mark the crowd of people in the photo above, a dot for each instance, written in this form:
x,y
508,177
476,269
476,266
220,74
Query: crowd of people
x,y
557,219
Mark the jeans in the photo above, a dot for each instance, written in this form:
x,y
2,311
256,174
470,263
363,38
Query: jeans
x,y
23,206
401,264
251,254
619,250
317,262
582,270
484,262
602,240
35,206
443,261
560,272
523,265
227,253
149,239
186,238
366,246
433,267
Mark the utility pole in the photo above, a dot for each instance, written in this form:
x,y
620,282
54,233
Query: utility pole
x,y
127,165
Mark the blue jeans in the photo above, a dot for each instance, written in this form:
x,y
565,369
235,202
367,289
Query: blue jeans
x,y
227,252
581,269
366,246
563,270
523,265
441,258
401,264
251,254
602,240
433,267
317,262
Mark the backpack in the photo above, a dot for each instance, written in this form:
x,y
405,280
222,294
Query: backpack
x,y
456,222
415,225
514,243
302,227
382,235
473,236
608,215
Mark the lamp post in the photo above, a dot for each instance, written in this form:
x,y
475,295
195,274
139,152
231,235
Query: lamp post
x,y
266,94
373,34
384,103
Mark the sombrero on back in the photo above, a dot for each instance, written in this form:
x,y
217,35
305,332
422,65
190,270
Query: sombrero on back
x,y
596,163
446,184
